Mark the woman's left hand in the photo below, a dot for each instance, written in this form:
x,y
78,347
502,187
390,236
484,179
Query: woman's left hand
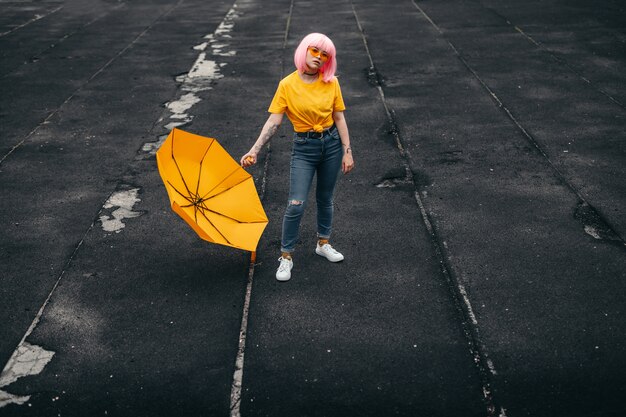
x,y
347,163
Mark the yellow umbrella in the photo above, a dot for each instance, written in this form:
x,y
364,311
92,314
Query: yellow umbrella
x,y
211,191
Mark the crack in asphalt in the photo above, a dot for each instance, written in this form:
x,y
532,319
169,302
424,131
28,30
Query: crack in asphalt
x,y
23,346
558,59
468,322
38,56
34,19
91,78
530,138
235,393
593,224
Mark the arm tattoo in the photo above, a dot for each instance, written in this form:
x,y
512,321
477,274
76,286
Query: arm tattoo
x,y
264,138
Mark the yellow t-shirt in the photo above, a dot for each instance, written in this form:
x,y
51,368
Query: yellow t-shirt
x,y
310,107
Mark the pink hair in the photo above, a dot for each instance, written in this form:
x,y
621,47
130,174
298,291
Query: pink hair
x,y
322,42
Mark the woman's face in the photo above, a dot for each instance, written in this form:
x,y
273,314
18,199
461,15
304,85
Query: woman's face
x,y
316,58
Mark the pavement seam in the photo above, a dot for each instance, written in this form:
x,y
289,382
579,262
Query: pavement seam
x,y
561,61
121,185
560,176
462,303
37,56
96,218
36,18
191,83
237,384
7,368
93,76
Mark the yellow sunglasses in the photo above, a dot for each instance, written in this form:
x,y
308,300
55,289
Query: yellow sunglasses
x,y
318,53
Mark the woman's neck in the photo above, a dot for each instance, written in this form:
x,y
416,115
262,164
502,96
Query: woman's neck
x,y
309,77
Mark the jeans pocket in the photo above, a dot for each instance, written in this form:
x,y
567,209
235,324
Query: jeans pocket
x,y
335,134
298,140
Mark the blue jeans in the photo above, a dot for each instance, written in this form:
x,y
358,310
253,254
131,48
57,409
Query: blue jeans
x,y
311,156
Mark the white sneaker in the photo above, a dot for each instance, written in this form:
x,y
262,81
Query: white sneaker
x,y
284,269
328,252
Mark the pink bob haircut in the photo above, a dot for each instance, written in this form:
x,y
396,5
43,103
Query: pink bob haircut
x,y
322,42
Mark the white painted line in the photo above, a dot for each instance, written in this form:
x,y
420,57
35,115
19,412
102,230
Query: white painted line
x,y
235,390
26,360
7,398
29,359
124,201
237,384
200,77
179,108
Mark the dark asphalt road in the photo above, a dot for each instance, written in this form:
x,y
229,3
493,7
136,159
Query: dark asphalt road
x,y
483,227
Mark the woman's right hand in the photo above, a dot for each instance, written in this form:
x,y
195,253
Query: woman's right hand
x,y
248,159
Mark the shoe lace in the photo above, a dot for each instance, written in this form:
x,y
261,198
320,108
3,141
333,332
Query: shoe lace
x,y
328,248
284,264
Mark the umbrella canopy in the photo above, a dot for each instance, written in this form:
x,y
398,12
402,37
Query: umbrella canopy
x,y
211,191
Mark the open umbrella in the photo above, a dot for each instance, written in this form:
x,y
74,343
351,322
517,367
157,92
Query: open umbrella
x,y
211,191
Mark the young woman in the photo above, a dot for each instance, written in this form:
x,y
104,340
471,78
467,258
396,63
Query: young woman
x,y
311,98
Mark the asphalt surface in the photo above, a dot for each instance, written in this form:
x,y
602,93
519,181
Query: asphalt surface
x,y
483,226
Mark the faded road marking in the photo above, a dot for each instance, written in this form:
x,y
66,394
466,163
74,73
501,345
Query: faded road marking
x,y
201,77
124,201
26,360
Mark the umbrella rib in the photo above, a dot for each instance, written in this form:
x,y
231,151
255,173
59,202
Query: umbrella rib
x,y
199,203
201,165
203,207
217,185
200,206
211,223
198,209
186,197
180,173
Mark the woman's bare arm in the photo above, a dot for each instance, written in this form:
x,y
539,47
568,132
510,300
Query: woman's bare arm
x,y
269,129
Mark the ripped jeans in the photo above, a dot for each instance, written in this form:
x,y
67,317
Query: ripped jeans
x,y
311,156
